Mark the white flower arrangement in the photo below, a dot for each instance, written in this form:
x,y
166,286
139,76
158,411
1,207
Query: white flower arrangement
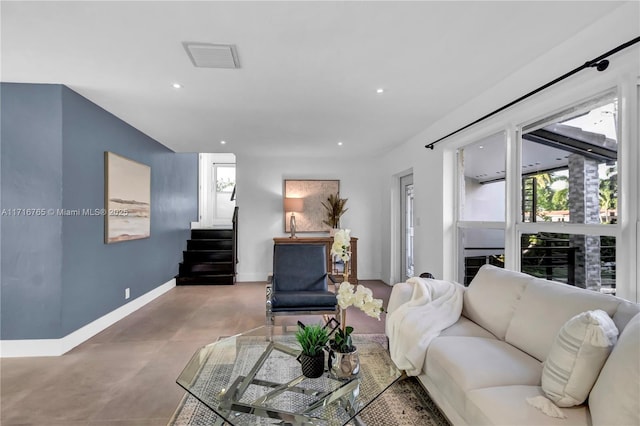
x,y
361,298
341,244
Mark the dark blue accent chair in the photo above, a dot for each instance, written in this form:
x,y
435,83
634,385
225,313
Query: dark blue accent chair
x,y
299,284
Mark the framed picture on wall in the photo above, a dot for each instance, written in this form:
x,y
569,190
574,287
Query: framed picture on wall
x,y
313,193
127,199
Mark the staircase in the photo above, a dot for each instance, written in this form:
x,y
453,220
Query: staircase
x,y
210,258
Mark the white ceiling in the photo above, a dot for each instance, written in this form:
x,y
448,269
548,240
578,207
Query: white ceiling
x,y
309,70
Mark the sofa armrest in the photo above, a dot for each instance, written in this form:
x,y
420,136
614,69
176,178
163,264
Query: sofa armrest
x,y
401,293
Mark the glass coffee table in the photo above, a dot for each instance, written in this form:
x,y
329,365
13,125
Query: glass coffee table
x,y
246,380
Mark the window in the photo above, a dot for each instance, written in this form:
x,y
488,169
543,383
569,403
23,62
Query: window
x,y
564,202
570,168
564,257
481,223
569,165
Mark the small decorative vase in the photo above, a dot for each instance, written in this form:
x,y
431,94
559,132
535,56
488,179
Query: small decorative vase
x,y
312,366
345,273
344,365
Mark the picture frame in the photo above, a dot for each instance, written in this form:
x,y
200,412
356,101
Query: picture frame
x,y
313,192
127,203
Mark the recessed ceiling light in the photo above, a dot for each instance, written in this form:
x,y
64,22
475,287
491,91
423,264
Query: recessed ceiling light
x,y
380,90
177,86
481,147
223,142
339,143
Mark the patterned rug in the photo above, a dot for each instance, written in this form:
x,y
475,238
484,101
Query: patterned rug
x,y
404,403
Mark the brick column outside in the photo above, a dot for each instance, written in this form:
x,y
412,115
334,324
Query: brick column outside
x,y
584,207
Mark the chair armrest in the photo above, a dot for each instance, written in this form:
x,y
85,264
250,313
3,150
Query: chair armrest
x,y
336,283
269,291
268,294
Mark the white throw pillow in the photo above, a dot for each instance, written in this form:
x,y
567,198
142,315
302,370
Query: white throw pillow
x,y
576,357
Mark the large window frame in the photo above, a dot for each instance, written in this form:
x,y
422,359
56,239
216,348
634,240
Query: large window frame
x,y
462,223
626,231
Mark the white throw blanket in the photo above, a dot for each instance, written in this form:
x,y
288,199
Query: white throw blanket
x,y
434,306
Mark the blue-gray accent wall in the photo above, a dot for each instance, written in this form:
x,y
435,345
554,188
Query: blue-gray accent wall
x,y
53,140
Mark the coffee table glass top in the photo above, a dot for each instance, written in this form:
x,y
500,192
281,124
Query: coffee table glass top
x,y
247,380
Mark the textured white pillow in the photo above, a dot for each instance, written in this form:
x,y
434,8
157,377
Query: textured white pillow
x,y
576,357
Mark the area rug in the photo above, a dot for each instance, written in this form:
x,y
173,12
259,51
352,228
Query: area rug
x,y
404,403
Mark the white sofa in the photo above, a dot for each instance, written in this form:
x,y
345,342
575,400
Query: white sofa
x,y
481,370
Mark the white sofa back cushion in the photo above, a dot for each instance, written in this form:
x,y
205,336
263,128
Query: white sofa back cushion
x,y
545,307
615,398
492,297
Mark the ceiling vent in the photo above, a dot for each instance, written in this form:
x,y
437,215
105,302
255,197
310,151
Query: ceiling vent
x,y
207,55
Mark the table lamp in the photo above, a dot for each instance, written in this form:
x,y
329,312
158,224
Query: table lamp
x,y
293,205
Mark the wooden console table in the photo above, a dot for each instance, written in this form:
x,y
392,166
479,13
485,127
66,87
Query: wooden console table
x,y
328,242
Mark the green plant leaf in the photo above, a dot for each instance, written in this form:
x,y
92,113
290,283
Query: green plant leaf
x,y
312,339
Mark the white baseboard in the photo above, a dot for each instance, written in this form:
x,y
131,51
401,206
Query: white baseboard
x,y
252,277
57,347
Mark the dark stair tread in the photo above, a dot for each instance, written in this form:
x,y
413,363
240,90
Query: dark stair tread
x,y
196,245
207,251
205,268
211,233
221,279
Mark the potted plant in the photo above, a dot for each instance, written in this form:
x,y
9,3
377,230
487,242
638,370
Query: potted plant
x,y
344,362
335,208
312,340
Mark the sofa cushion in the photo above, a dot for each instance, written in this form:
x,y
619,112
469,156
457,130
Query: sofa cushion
x,y
578,353
615,398
467,328
492,296
625,311
507,406
458,364
545,306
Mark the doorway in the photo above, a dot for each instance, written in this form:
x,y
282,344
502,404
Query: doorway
x,y
217,190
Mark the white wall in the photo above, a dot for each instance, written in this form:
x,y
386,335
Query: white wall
x,y
484,202
259,198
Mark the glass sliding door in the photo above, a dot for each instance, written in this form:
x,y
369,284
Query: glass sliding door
x,y
406,214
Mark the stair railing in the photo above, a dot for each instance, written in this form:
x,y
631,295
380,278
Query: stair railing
x,y
235,239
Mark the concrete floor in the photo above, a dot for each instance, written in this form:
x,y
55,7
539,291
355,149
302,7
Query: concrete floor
x,y
125,375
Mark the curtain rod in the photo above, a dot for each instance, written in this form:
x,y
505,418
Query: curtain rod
x,y
600,63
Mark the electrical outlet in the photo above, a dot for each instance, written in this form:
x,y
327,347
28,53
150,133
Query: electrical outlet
x,y
127,293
